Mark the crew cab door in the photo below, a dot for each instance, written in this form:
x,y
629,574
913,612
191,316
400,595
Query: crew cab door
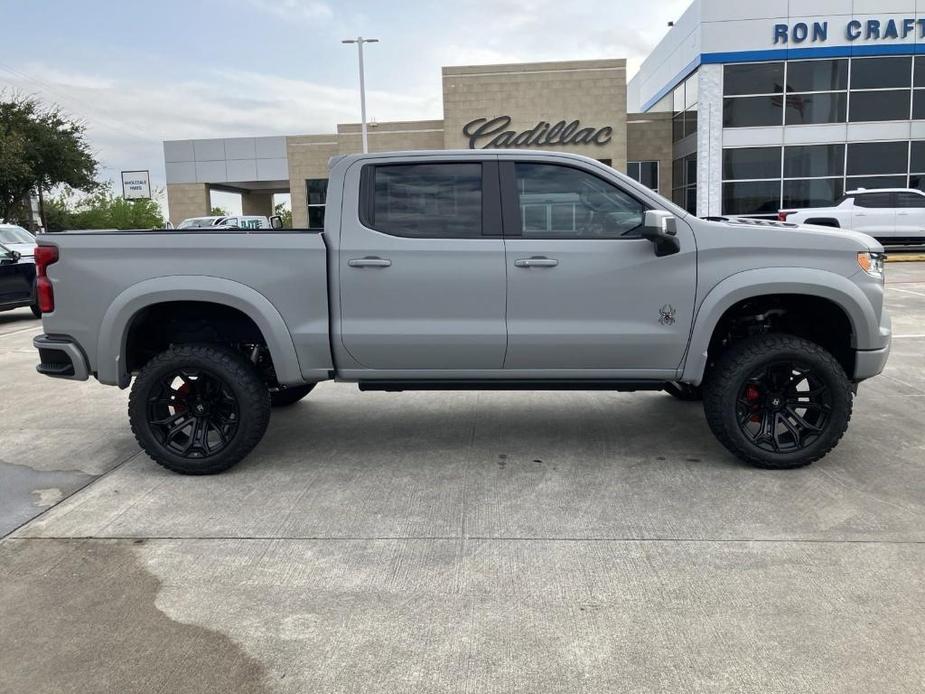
x,y
421,265
585,291
910,215
874,213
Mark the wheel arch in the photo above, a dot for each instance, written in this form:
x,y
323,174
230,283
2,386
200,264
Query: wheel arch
x,y
116,324
835,289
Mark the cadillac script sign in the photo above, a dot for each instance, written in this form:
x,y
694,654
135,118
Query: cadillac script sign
x,y
487,133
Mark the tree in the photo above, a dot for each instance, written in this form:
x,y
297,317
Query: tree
x,y
40,148
218,212
102,210
285,214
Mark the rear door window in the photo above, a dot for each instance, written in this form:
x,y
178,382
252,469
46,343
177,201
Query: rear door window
x,y
441,200
875,200
910,200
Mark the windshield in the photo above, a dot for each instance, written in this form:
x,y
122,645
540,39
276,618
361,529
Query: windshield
x,y
196,222
15,235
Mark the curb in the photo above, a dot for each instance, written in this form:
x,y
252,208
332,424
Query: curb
x,y
911,258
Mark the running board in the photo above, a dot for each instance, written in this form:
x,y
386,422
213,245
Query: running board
x,y
513,384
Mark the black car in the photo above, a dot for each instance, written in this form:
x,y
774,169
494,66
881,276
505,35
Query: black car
x,y
17,281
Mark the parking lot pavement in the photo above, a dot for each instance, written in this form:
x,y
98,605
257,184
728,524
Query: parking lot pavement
x,y
464,541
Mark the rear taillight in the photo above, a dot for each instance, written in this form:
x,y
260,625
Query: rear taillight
x,y
45,256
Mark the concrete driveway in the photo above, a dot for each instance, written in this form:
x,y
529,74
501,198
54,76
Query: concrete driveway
x,y
471,542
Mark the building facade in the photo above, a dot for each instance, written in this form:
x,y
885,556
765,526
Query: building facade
x,y
779,103
571,106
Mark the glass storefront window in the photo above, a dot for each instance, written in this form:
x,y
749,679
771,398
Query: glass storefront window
x,y
751,197
855,182
753,78
918,103
892,104
881,73
919,79
752,111
817,192
873,158
751,162
817,75
917,156
690,91
803,109
814,160
316,198
646,172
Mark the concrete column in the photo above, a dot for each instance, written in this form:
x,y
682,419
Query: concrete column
x,y
709,140
187,200
257,203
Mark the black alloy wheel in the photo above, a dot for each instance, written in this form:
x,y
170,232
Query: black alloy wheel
x,y
198,409
783,407
193,413
777,401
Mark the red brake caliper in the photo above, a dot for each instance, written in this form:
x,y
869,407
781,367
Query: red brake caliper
x,y
179,398
752,394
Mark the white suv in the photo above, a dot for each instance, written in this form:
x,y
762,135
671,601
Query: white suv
x,y
890,215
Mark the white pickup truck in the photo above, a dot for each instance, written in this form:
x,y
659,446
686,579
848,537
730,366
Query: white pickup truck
x,y
890,215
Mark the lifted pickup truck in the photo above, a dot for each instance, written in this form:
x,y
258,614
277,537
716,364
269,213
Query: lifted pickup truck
x,y
464,270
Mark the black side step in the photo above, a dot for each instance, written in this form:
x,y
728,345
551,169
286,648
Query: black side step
x,y
512,384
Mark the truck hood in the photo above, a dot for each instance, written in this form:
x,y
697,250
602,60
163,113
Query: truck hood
x,y
792,235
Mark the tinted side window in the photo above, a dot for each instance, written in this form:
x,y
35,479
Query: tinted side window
x,y
910,200
879,200
562,202
427,200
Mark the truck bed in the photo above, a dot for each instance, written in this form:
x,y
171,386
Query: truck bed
x,y
102,279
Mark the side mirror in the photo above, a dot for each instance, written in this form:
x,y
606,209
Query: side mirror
x,y
11,257
276,222
660,228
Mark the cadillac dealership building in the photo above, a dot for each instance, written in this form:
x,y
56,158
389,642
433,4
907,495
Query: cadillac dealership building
x,y
745,106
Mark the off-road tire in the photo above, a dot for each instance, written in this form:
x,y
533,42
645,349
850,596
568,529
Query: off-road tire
x,y
684,391
253,401
729,376
284,397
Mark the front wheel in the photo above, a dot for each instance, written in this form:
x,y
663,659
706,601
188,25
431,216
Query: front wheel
x,y
198,409
778,401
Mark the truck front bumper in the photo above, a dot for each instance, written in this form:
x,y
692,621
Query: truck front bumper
x,y
61,357
869,362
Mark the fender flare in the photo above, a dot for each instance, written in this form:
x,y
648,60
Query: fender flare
x,y
765,281
118,318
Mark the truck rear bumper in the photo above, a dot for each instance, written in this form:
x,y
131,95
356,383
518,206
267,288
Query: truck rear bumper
x,y
61,357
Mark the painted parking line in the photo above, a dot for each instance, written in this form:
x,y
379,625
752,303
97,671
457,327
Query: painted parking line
x,y
905,258
907,291
26,330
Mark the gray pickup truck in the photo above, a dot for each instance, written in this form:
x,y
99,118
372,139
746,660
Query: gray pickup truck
x,y
471,270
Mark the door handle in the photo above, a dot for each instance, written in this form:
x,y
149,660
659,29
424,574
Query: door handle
x,y
369,262
536,262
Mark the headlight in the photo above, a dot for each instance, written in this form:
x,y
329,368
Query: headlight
x,y
872,263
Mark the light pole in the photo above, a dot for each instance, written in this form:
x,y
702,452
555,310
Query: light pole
x,y
359,41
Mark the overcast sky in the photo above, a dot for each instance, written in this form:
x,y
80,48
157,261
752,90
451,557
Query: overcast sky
x,y
142,72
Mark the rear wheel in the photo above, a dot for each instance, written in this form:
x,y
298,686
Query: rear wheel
x,y
778,401
198,409
290,395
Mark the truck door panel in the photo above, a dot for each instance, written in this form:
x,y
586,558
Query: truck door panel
x,y
421,267
584,291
